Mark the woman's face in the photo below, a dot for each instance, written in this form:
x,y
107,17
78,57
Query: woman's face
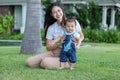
x,y
57,13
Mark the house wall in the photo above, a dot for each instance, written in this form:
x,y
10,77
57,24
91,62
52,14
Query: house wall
x,y
18,8
4,10
19,11
18,17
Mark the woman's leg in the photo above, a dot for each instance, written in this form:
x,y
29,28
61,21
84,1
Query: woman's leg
x,y
52,63
34,61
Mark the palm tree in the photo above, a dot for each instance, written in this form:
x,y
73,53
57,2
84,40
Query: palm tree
x,y
32,43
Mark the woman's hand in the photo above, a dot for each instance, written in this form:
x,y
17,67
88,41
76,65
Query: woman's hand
x,y
62,39
74,39
53,44
81,36
77,47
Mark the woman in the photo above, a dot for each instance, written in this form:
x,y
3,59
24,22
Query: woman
x,y
54,22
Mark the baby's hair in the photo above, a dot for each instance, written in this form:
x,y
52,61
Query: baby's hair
x,y
70,19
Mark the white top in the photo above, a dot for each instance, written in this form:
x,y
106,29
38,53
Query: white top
x,y
56,30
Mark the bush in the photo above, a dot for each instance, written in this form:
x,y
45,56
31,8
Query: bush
x,y
12,37
95,35
112,36
118,36
18,36
42,34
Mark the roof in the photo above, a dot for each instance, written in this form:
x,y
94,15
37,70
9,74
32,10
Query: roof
x,y
105,2
99,2
6,1
12,2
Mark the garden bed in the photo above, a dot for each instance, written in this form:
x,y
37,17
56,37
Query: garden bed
x,y
10,42
13,42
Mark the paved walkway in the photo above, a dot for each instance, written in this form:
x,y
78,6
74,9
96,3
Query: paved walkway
x,y
18,42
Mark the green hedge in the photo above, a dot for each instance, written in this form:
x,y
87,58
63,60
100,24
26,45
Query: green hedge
x,y
95,35
12,37
17,36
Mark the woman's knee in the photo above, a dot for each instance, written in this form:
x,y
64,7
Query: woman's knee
x,y
50,63
31,63
28,62
34,61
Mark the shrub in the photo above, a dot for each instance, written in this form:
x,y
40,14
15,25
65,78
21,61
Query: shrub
x,y
12,37
112,36
42,34
8,23
16,37
86,31
95,35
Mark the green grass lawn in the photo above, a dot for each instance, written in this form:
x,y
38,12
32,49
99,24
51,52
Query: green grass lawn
x,y
99,62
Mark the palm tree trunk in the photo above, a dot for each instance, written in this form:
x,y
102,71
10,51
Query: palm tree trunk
x,y
32,43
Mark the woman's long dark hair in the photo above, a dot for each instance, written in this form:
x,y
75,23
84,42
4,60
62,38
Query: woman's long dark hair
x,y
49,20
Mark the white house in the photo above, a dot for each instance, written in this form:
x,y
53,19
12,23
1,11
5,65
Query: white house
x,y
19,10
113,5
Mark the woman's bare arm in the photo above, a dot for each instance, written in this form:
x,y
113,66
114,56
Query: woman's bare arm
x,y
81,36
53,44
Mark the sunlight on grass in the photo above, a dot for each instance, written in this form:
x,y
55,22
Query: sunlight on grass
x,y
98,62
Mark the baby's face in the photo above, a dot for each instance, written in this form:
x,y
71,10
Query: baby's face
x,y
70,27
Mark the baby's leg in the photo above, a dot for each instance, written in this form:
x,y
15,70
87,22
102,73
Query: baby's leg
x,y
61,66
71,66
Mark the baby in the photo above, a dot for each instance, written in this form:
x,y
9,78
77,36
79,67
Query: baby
x,y
69,47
